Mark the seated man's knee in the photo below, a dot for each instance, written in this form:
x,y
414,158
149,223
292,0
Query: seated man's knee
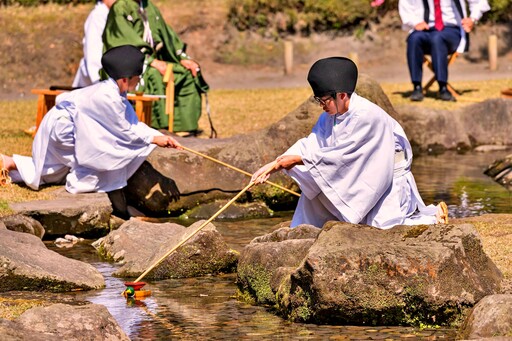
x,y
417,38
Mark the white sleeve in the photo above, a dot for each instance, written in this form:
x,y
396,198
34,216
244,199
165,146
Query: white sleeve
x,y
411,13
477,8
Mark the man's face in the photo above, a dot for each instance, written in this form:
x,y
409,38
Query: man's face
x,y
132,82
328,103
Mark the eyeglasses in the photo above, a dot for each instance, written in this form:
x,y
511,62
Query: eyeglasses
x,y
323,101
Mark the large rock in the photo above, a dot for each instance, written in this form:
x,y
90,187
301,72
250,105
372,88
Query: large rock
x,y
65,322
14,331
21,223
491,317
267,261
201,180
484,123
85,215
501,171
26,264
356,274
140,244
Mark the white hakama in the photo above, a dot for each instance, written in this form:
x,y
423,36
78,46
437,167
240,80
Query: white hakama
x,y
91,139
357,168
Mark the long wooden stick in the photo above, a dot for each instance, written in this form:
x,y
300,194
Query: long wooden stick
x,y
200,227
239,170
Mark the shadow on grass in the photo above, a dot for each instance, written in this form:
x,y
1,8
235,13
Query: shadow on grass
x,y
433,94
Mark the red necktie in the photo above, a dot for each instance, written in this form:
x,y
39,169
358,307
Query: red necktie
x,y
438,15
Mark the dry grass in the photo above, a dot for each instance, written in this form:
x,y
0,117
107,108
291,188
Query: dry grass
x,y
10,309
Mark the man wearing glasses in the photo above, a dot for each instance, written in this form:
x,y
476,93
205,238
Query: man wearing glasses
x,y
355,165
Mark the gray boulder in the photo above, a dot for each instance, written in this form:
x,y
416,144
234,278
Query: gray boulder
x,y
14,331
140,244
26,264
269,260
484,123
21,223
357,274
233,211
491,317
501,171
86,214
65,322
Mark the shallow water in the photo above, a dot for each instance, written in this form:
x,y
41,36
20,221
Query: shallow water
x,y
204,308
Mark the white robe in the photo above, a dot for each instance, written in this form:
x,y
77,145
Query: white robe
x,y
90,64
91,138
357,169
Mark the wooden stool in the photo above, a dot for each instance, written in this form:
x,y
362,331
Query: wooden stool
x,y
428,62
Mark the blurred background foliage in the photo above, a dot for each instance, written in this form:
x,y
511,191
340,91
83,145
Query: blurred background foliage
x,y
307,16
281,17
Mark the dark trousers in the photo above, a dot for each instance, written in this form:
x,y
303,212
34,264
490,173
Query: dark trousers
x,y
438,44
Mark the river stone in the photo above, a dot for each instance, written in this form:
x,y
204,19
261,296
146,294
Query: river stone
x,y
357,274
66,322
84,215
268,260
26,264
140,244
501,171
491,317
484,123
14,331
21,223
233,211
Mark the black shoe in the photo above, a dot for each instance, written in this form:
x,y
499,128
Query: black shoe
x,y
417,95
445,95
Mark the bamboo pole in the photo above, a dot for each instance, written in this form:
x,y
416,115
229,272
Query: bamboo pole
x,y
239,170
201,227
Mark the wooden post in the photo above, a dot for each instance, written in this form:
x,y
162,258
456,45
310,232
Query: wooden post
x,y
493,52
288,57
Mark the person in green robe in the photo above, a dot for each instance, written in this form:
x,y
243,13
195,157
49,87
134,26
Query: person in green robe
x,y
140,23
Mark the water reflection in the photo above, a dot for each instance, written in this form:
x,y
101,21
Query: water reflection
x,y
460,182
205,308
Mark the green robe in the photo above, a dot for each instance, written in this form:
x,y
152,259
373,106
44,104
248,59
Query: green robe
x,y
125,27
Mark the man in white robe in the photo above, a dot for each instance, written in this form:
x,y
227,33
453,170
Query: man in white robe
x,y
355,165
92,138
90,65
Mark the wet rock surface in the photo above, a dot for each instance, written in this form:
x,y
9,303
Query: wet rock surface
x,y
491,317
21,223
26,264
356,274
66,322
501,171
140,244
86,214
